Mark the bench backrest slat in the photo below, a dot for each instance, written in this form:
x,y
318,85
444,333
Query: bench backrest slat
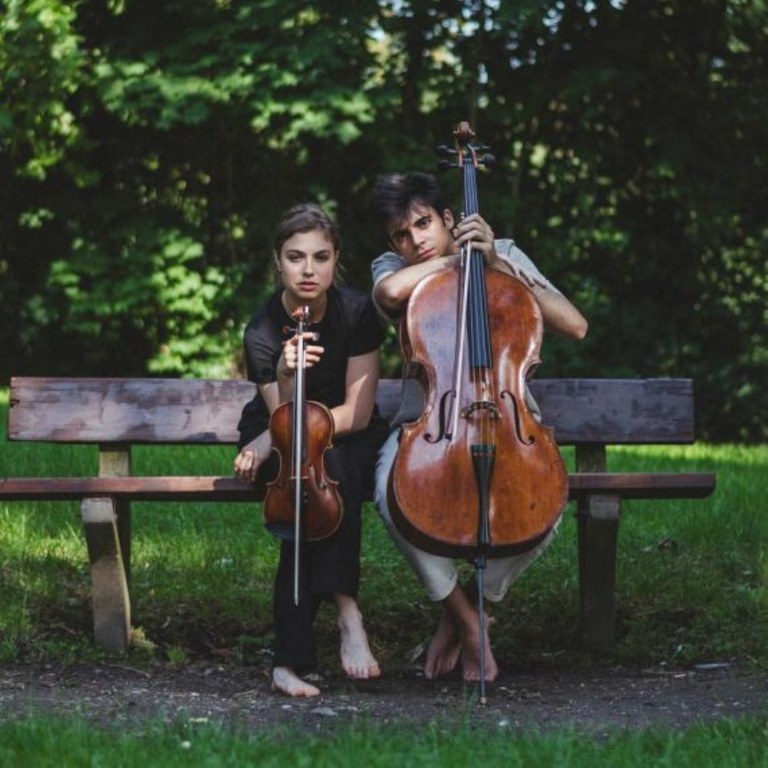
x,y
616,411
87,410
91,410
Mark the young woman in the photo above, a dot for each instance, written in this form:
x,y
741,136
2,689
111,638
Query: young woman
x,y
342,366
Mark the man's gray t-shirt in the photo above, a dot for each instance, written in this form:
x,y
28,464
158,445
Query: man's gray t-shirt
x,y
412,400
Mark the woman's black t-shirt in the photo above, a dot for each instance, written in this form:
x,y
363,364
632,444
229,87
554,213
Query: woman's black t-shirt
x,y
350,327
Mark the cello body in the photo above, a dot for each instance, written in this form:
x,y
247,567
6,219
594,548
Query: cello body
x,y
476,473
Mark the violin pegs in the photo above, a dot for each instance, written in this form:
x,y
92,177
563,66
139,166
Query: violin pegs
x,y
445,164
489,160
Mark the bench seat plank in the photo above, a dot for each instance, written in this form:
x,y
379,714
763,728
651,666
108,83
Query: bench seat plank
x,y
637,485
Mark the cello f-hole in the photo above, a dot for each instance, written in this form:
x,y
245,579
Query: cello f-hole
x,y
518,426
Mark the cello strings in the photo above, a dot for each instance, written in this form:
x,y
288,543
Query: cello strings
x,y
480,347
481,362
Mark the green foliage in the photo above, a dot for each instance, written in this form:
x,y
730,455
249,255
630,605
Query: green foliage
x,y
147,148
153,293
42,63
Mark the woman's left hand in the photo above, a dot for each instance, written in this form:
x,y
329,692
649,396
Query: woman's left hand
x,y
252,456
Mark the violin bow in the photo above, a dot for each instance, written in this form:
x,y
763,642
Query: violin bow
x,y
302,318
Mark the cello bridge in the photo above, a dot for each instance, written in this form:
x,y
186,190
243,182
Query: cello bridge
x,y
482,405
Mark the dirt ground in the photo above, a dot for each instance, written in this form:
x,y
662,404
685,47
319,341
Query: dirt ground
x,y
598,701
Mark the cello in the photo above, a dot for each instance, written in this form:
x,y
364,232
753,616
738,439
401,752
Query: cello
x,y
475,475
302,502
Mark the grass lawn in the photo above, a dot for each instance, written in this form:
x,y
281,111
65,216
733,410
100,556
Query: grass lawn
x,y
63,744
692,579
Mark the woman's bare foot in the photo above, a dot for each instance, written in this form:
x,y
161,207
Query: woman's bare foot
x,y
284,679
357,661
444,650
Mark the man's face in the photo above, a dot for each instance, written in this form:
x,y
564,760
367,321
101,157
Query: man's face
x,y
423,234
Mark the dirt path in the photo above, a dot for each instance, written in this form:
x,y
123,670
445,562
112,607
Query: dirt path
x,y
598,701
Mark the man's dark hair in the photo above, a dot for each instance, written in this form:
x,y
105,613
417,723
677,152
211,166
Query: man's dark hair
x,y
395,195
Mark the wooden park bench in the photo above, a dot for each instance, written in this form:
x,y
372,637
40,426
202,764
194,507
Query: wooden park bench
x,y
116,414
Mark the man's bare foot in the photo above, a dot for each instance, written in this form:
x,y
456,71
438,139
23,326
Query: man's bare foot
x,y
284,679
464,616
444,650
357,661
470,654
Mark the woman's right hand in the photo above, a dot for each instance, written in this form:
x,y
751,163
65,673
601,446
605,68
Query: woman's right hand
x,y
289,359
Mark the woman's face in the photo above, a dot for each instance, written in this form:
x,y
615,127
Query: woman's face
x,y
307,263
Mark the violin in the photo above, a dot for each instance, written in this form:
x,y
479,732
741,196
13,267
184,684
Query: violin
x,y
302,503
475,474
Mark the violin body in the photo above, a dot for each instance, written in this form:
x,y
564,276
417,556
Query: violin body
x,y
434,493
321,502
302,502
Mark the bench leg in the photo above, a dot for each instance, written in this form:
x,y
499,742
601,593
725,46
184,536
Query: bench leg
x,y
111,601
598,519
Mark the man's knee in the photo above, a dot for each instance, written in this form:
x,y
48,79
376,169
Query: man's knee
x,y
503,572
381,478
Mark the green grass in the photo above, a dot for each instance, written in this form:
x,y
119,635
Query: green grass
x,y
46,742
50,742
691,581
691,586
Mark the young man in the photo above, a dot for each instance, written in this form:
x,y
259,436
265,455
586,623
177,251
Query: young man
x,y
425,237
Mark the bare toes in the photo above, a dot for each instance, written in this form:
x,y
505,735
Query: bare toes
x,y
285,680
